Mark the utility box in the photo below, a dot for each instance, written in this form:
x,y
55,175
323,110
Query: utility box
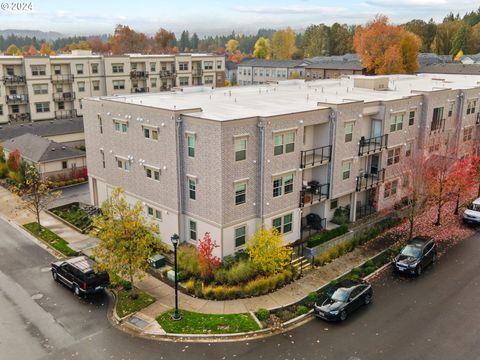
x,y
157,261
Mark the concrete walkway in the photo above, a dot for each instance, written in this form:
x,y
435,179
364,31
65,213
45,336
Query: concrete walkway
x,y
10,208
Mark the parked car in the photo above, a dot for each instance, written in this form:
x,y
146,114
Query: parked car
x,y
78,274
471,215
342,299
416,255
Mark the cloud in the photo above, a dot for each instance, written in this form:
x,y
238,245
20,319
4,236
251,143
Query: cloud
x,y
292,9
431,4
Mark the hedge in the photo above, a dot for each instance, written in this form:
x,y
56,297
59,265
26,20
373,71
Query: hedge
x,y
325,236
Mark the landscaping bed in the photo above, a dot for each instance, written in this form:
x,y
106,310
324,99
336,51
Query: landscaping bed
x,y
74,215
50,238
126,305
196,323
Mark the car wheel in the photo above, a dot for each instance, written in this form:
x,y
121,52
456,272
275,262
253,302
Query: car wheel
x,y
76,290
434,259
54,275
343,315
368,299
419,270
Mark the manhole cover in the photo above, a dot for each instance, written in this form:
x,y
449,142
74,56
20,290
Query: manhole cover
x,y
140,323
37,296
46,269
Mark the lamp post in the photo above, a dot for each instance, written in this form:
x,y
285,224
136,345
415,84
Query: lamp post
x,y
174,238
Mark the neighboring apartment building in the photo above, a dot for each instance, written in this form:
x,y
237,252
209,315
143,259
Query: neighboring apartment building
x,y
332,67
253,71
226,161
52,87
231,72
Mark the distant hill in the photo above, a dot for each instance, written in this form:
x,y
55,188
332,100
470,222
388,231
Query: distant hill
x,y
40,35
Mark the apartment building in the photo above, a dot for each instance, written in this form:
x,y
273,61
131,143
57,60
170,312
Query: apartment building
x,y
227,160
332,67
254,71
52,87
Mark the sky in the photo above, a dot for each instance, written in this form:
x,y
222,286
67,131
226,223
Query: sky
x,y
86,17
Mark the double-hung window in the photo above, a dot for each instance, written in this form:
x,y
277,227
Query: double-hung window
x,y
192,227
349,132
240,193
240,149
240,236
284,143
346,168
192,188
396,122
283,224
393,156
411,118
191,142
120,126
282,185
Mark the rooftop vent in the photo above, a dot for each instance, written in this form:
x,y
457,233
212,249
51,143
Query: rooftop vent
x,y
371,82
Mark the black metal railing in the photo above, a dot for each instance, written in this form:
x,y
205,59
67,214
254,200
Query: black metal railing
x,y
139,90
315,156
478,119
372,145
62,78
66,96
369,180
16,99
314,194
65,114
137,74
364,210
19,117
167,74
313,223
14,79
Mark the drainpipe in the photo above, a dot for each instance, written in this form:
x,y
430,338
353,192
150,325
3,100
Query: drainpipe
x,y
180,163
261,170
333,130
459,120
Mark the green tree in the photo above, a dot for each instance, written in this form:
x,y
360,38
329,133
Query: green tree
x,y
283,44
460,41
425,31
267,252
316,40
13,50
340,39
127,240
474,39
194,42
443,41
262,49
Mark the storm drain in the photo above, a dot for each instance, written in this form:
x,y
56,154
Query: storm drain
x,y
135,321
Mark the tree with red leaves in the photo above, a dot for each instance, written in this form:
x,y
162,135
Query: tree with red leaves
x,y
207,262
460,179
13,161
474,161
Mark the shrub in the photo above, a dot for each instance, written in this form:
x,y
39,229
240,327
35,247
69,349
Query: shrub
x,y
3,170
241,272
221,276
190,285
311,298
318,239
187,260
16,177
340,216
300,310
262,314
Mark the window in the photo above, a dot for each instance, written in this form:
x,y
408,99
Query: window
x,y
393,156
277,187
79,68
208,65
240,149
408,148
152,174
94,68
411,118
183,81
437,119
38,70
120,126
100,123
152,67
283,224
150,133
451,104
467,134
333,204
284,143
219,65
117,68
192,226
240,193
390,189
81,86
282,185
15,109
64,164
192,188
123,164
57,69
183,66
471,105
240,236
191,145
346,167
61,105
103,158
349,132
39,89
96,85
153,82
396,122
118,84
208,80
288,184
157,214
1,109
42,107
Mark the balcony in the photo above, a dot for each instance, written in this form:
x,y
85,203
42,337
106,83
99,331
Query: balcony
x,y
14,79
66,96
65,114
167,74
369,180
477,122
197,72
19,117
314,193
62,78
137,74
312,224
16,99
314,157
135,90
372,145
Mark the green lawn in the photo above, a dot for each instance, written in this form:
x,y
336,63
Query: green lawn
x,y
50,238
126,305
195,323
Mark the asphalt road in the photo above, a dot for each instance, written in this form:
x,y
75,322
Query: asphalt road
x,y
70,194
432,317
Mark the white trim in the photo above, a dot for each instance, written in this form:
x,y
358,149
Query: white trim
x,y
241,135
124,121
241,180
151,167
275,132
291,171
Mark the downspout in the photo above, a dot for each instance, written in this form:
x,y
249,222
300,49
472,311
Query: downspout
x,y
459,120
180,162
333,129
261,170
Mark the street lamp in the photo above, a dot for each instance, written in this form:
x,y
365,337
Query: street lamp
x,y
174,238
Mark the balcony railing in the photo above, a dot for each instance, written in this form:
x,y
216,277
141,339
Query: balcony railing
x,y
136,74
65,114
167,74
62,78
477,122
370,180
372,145
364,210
314,193
317,156
19,117
16,99
197,72
14,79
139,90
66,96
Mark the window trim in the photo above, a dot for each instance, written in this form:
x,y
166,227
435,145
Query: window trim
x,y
283,224
349,169
192,190
194,137
235,237
240,139
194,229
348,124
240,194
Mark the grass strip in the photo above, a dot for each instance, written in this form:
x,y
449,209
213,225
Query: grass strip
x,y
126,305
50,238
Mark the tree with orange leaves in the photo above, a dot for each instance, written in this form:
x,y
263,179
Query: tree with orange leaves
x,y
45,49
163,40
385,48
460,179
126,40
32,51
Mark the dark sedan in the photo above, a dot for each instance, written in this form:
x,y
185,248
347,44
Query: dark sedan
x,y
416,255
342,299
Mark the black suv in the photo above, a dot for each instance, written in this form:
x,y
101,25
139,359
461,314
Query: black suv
x,y
416,255
78,274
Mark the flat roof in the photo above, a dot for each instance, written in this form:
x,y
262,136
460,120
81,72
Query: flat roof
x,y
290,96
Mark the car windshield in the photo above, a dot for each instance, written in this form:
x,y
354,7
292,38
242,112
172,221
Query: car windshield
x,y
474,207
412,251
341,294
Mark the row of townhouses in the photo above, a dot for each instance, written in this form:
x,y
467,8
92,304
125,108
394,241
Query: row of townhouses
x,y
227,160
52,87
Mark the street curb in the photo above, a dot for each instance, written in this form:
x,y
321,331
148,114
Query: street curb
x,y
69,186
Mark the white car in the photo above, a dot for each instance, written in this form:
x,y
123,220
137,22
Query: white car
x,y
472,213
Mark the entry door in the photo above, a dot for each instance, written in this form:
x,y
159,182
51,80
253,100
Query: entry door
x,y
374,162
376,128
